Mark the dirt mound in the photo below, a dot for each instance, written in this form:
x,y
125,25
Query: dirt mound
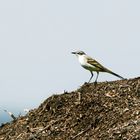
x,y
110,110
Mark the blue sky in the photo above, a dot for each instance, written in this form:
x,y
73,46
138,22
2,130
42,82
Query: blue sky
x,y
37,38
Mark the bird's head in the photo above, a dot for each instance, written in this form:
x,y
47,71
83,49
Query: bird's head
x,y
78,53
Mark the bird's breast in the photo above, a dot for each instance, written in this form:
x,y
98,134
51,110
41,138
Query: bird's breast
x,y
82,60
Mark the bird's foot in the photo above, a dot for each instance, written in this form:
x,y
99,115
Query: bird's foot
x,y
95,83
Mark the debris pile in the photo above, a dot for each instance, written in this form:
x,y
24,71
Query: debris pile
x,y
108,110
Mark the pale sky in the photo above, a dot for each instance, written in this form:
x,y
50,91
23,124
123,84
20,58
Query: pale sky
x,y
37,37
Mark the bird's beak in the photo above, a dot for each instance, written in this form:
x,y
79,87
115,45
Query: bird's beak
x,y
73,52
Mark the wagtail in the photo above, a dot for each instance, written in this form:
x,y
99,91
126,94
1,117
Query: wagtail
x,y
92,65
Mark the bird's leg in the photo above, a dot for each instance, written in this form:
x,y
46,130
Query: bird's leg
x,y
91,76
96,77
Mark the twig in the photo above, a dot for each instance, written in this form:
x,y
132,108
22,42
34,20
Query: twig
x,y
82,132
79,97
11,115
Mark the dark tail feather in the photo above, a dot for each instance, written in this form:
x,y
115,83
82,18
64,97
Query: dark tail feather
x,y
116,75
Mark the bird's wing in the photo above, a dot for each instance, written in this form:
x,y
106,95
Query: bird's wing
x,y
96,64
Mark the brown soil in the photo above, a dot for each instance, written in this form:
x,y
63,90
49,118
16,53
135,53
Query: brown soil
x,y
107,111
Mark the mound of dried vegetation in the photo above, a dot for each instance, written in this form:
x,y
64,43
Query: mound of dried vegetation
x,y
110,110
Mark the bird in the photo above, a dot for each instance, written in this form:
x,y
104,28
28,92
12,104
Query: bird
x,y
92,65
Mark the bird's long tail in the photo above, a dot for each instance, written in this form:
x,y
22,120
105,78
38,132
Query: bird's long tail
x,y
116,74
109,71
